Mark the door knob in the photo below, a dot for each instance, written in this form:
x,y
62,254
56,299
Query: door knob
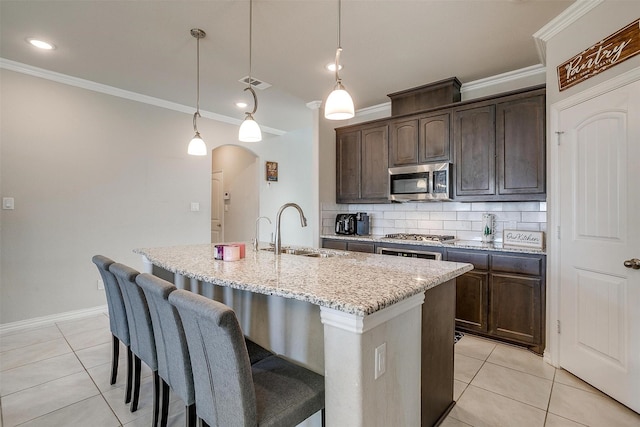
x,y
632,263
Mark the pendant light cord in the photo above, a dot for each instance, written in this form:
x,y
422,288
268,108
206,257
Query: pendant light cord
x,y
339,49
198,34
250,82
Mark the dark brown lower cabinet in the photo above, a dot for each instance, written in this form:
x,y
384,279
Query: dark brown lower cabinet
x,y
472,300
516,309
503,298
343,245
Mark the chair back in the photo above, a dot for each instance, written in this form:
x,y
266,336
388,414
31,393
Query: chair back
x,y
225,394
174,365
115,300
140,330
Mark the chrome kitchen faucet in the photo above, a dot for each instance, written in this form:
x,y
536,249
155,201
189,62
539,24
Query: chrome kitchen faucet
x,y
303,222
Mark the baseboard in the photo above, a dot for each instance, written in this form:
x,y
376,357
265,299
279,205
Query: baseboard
x,y
48,320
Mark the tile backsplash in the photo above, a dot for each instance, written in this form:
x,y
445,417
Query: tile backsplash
x,y
463,220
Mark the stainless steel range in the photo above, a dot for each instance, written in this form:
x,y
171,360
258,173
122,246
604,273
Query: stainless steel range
x,y
420,237
418,252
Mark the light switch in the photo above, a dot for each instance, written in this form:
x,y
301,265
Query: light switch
x,y
7,203
380,360
195,207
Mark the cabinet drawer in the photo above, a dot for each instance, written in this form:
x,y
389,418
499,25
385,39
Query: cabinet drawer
x,y
480,261
532,266
361,247
339,245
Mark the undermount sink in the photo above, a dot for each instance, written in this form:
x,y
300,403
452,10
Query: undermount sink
x,y
311,253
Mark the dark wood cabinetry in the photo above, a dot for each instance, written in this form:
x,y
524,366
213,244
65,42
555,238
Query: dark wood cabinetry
x,y
520,147
343,245
475,159
361,164
419,140
500,148
503,297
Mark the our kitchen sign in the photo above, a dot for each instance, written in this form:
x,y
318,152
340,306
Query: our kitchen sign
x,y
605,54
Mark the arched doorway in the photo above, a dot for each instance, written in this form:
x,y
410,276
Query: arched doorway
x,y
235,198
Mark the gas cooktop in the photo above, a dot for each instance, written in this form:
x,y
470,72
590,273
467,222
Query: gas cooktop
x,y
420,237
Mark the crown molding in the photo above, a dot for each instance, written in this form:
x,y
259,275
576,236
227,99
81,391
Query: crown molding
x,y
509,76
314,105
19,67
559,23
385,107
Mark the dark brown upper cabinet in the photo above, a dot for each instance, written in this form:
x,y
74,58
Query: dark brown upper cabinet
x,y
499,147
361,164
419,140
474,140
520,147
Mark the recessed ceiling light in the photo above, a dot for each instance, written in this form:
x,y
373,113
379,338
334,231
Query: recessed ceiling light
x,y
241,104
40,44
332,67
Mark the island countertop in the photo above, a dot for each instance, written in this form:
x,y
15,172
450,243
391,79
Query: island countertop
x,y
352,282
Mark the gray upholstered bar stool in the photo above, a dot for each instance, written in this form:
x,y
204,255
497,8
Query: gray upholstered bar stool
x,y
174,365
229,390
143,343
117,320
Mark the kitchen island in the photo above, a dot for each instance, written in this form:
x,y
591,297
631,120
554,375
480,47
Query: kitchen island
x,y
356,318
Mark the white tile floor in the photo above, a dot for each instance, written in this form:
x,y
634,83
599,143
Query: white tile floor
x,y
59,376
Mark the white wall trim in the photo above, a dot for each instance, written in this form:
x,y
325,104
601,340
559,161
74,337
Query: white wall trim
x,y
552,352
361,324
509,76
54,318
385,107
559,23
121,93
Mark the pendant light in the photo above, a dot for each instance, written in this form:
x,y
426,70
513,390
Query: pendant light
x,y
197,146
339,105
249,129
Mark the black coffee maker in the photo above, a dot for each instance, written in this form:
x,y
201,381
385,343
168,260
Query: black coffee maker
x,y
362,224
346,224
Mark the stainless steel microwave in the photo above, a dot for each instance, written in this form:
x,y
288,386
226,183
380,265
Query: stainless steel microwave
x,y
420,182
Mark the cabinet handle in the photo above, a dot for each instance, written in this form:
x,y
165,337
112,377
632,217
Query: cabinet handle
x,y
632,263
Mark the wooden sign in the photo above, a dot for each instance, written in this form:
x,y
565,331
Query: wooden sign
x,y
272,171
529,239
605,54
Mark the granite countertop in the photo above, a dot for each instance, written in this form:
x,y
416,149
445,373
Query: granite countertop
x,y
466,244
351,282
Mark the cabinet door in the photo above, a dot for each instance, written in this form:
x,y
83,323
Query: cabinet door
x,y
474,141
374,178
516,308
471,301
403,143
348,149
434,141
520,147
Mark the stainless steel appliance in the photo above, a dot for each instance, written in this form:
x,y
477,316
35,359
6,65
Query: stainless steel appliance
x,y
420,237
415,253
410,253
346,224
420,182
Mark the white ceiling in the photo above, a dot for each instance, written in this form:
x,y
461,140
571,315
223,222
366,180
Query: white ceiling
x,y
389,45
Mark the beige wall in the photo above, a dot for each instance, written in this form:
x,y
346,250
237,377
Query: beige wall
x,y
93,173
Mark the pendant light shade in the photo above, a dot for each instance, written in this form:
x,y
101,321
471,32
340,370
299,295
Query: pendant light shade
x,y
197,147
339,105
249,129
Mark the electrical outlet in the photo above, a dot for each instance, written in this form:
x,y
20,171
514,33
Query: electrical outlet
x,y
380,360
195,207
100,284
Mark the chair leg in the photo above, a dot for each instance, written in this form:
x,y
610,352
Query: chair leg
x,y
203,423
137,367
127,395
164,405
190,414
114,359
156,398
323,417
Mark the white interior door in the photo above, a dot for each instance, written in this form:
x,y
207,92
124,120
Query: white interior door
x,y
217,208
599,188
